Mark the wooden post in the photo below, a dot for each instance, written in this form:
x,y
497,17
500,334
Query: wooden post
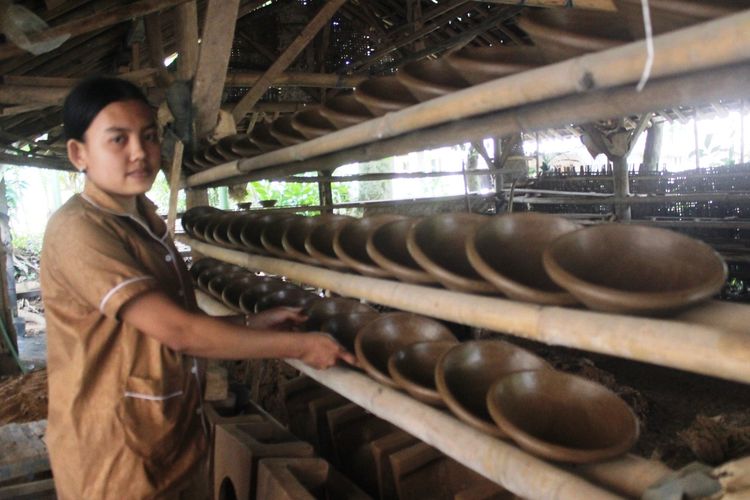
x,y
7,294
156,48
325,193
186,36
174,186
286,58
652,151
622,186
213,61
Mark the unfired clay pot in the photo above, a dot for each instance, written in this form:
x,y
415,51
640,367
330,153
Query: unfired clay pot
x,y
376,342
262,138
465,373
218,283
413,369
241,144
344,326
293,239
562,417
224,148
234,231
311,123
384,94
566,33
350,244
319,242
430,78
212,154
201,265
506,250
344,111
220,234
272,234
258,290
438,244
481,64
635,269
386,246
253,230
281,128
191,215
321,311
210,273
235,288
289,297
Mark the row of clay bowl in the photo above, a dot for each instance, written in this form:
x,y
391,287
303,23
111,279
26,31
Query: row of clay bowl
x,y
557,34
494,386
532,257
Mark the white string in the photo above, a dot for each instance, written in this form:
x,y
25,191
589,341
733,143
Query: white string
x,y
649,46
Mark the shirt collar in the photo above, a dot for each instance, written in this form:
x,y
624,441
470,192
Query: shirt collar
x,y
146,208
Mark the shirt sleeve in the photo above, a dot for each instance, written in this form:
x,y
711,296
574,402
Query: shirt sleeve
x,y
95,265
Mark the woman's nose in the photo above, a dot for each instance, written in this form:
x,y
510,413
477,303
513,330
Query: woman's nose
x,y
137,149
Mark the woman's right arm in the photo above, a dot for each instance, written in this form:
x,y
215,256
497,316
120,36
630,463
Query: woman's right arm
x,y
156,315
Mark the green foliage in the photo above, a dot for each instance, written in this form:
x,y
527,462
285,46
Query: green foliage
x,y
159,194
29,243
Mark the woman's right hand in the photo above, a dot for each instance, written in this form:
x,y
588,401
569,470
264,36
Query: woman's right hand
x,y
321,351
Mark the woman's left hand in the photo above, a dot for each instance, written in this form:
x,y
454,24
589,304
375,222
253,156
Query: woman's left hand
x,y
278,318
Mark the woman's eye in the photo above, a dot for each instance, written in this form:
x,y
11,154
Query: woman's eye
x,y
118,139
152,137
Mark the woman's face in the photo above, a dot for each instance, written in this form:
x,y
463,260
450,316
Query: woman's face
x,y
120,153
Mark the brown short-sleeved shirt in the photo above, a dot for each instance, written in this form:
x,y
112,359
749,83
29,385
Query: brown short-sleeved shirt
x,y
124,410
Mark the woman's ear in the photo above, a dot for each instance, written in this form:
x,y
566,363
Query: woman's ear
x,y
77,154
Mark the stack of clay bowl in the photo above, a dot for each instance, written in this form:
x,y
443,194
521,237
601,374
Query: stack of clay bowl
x,y
227,149
668,15
507,392
564,33
531,257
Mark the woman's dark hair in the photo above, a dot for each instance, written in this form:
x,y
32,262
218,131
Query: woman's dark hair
x,y
89,97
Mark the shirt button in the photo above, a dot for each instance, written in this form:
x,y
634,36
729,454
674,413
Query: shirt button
x,y
168,258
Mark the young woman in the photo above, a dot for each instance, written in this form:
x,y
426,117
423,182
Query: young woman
x,y
123,328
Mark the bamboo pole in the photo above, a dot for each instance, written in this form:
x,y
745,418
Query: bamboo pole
x,y
174,181
716,350
677,53
607,5
296,79
640,199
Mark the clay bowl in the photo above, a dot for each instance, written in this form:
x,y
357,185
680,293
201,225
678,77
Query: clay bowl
x,y
262,138
413,369
201,265
189,166
281,128
206,275
379,340
261,288
438,242
234,230
191,214
466,372
430,78
245,205
252,231
203,226
232,292
218,283
224,147
319,243
384,94
562,417
217,221
344,111
634,269
482,64
271,235
289,297
311,123
563,33
212,154
268,203
350,244
321,311
507,251
344,326
669,15
386,246
293,239
201,161
221,229
242,145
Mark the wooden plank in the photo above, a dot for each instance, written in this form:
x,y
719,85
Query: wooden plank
x,y
296,79
186,37
286,58
213,61
92,23
174,185
24,451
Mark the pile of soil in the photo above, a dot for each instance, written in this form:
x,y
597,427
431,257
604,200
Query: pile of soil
x,y
24,398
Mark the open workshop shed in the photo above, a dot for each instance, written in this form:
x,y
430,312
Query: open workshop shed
x,y
289,91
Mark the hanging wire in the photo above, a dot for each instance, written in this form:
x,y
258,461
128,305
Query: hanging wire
x,y
649,46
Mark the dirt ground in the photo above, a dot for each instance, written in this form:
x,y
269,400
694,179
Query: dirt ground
x,y
24,398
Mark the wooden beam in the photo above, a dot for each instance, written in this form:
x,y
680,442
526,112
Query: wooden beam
x,y
38,162
91,23
294,79
186,37
286,58
607,5
213,61
156,48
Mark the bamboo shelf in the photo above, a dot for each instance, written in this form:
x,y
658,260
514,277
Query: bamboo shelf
x,y
712,339
497,460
